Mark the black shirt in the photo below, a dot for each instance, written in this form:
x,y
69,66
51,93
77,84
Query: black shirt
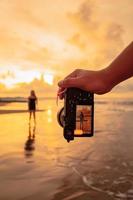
x,y
32,103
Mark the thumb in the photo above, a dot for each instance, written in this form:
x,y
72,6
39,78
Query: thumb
x,y
69,82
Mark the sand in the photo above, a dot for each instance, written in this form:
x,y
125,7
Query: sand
x,y
97,168
16,111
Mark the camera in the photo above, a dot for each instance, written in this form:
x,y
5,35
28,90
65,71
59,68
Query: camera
x,y
77,115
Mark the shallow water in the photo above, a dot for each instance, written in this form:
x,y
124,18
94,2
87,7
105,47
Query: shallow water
x,y
47,167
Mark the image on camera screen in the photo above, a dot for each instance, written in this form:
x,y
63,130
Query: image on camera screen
x,y
83,119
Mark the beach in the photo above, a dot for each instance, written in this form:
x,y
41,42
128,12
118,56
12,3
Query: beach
x,y
37,163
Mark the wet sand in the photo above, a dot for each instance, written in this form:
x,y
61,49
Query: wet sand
x,y
16,111
3,103
97,168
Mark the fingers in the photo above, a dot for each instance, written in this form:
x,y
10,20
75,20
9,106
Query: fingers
x,y
61,92
69,82
74,74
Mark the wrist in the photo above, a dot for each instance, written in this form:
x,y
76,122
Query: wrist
x,y
108,79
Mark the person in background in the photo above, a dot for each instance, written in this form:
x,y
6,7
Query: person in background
x,y
101,81
32,101
81,116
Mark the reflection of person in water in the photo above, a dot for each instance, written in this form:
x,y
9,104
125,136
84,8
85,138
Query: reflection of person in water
x,y
81,116
32,101
29,145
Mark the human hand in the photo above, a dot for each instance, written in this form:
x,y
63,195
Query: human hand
x,y
93,81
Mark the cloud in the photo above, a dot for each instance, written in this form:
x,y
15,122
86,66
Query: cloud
x,y
26,13
27,39
41,88
2,87
39,56
7,74
101,40
38,35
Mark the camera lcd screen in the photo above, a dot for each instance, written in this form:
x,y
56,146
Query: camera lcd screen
x,y
83,119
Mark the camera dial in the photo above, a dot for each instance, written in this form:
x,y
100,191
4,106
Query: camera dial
x,y
60,117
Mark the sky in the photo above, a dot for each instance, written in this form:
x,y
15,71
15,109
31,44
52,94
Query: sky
x,y
41,41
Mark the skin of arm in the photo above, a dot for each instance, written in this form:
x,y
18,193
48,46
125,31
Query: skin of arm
x,y
121,68
102,81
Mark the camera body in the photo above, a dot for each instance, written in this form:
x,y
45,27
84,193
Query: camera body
x,y
77,116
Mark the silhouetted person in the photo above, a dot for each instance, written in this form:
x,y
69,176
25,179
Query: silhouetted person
x,y
81,116
32,101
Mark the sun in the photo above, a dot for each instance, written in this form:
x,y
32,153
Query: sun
x,y
48,78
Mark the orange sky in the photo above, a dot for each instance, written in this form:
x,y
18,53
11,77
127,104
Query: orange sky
x,y
51,38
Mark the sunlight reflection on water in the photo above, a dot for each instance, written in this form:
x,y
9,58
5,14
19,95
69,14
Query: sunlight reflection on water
x,y
39,160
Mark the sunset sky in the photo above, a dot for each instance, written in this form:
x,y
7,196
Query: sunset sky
x,y
43,40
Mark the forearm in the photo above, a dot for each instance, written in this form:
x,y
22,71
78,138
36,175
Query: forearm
x,y
121,68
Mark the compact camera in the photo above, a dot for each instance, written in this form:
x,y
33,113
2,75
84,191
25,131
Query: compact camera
x,y
77,115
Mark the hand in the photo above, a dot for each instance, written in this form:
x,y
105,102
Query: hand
x,y
93,81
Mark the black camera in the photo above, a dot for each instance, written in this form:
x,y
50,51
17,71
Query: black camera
x,y
77,115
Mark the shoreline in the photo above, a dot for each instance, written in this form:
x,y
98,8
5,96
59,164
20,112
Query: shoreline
x,y
16,111
3,103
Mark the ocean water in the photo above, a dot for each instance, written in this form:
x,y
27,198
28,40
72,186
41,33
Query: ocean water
x,y
36,163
